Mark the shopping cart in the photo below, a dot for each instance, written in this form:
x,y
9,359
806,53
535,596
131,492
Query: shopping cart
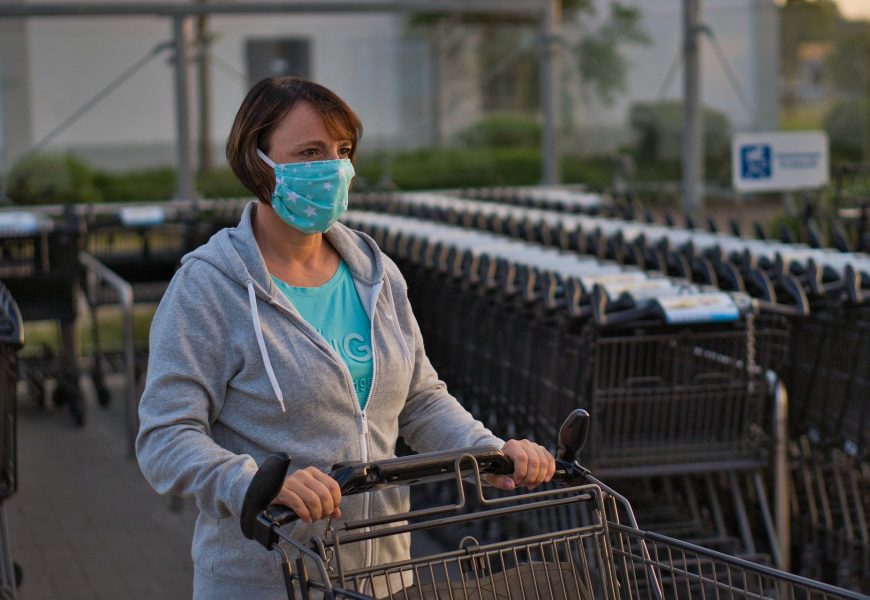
x,y
11,341
601,553
39,267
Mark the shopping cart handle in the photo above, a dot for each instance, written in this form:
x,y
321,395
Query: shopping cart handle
x,y
853,285
794,289
259,519
262,489
763,285
572,435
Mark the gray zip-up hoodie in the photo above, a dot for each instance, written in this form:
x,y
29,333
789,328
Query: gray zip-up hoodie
x,y
235,374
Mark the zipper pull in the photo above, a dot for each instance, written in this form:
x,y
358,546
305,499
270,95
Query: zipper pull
x,y
364,424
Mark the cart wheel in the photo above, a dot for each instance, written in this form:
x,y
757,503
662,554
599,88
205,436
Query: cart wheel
x,y
77,408
70,394
36,390
60,395
103,394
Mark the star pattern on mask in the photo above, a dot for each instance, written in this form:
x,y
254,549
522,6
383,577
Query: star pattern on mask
x,y
307,196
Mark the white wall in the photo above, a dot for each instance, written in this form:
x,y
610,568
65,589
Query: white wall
x,y
747,32
15,122
71,59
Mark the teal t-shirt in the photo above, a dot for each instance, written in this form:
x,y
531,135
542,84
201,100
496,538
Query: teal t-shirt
x,y
334,309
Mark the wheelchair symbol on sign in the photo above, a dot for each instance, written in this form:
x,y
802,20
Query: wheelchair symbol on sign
x,y
755,161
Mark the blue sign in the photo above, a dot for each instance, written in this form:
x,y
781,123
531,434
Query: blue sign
x,y
755,161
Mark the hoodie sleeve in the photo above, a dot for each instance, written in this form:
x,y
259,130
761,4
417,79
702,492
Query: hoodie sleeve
x,y
188,370
432,419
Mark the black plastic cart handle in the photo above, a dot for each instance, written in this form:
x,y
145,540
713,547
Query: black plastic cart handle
x,y
260,519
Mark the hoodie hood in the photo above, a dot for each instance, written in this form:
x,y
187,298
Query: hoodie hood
x,y
234,252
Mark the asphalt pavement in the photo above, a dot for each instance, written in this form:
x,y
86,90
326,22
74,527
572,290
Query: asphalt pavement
x,y
84,524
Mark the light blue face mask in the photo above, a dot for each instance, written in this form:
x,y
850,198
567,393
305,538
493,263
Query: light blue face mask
x,y
311,196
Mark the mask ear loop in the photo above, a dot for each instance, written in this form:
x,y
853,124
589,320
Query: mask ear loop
x,y
265,158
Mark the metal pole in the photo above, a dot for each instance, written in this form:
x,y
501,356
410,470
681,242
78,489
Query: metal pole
x,y
184,189
125,300
693,137
203,38
549,108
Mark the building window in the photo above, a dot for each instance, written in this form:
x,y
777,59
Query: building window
x,y
276,57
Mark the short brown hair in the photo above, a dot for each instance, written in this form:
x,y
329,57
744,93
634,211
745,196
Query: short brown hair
x,y
261,111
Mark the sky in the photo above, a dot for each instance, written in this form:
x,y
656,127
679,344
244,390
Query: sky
x,y
855,9
851,9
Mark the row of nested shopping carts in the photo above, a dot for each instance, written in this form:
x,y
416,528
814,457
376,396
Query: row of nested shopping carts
x,y
803,293
110,256
684,399
588,543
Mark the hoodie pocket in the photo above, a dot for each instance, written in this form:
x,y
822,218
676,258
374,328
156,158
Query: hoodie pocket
x,y
243,560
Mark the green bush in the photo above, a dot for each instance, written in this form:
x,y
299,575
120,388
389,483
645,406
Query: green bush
x,y
593,171
466,167
221,183
846,125
502,131
52,179
142,185
160,184
438,168
658,131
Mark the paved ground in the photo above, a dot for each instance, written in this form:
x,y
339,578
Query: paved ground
x,y
84,523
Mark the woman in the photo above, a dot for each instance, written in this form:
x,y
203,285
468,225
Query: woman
x,y
292,333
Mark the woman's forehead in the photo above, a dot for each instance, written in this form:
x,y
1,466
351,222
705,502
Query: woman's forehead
x,y
305,122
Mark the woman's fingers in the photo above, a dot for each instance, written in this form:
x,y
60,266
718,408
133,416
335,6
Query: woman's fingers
x,y
311,494
514,450
533,465
502,482
293,501
551,465
332,489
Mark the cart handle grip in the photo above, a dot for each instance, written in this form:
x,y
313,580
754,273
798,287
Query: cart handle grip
x,y
262,489
260,518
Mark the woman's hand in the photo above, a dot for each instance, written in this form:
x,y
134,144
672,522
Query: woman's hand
x,y
312,494
533,465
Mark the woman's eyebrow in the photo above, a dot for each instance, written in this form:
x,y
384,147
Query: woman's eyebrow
x,y
320,143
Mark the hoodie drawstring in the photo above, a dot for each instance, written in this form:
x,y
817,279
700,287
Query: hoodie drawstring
x,y
258,330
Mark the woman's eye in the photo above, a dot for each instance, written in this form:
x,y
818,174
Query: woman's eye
x,y
344,152
309,152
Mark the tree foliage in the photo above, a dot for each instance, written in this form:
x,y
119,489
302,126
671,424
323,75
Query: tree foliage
x,y
805,21
603,65
849,65
599,53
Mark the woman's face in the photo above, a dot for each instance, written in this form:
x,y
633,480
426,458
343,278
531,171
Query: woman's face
x,y
302,136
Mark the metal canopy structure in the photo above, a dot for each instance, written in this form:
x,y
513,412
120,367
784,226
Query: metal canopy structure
x,y
532,8
542,11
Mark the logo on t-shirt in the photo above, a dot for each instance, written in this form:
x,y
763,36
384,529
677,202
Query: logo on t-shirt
x,y
353,347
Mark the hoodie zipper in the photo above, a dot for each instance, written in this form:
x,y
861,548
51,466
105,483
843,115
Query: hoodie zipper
x,y
362,421
364,424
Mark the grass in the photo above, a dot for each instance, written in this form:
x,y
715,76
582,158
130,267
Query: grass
x,y
801,118
40,336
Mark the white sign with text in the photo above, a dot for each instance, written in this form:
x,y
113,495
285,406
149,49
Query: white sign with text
x,y
779,161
